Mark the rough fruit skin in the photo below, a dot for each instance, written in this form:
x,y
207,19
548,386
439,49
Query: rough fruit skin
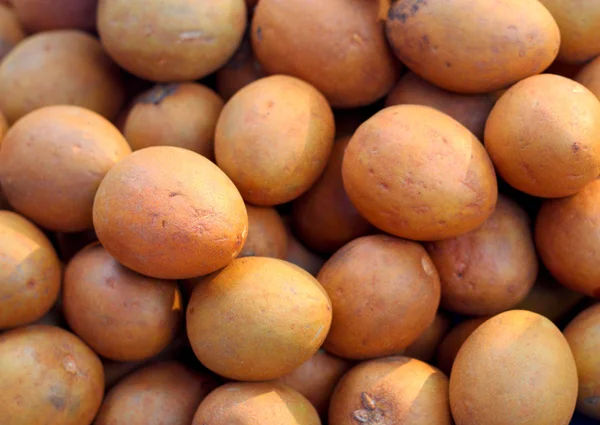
x,y
267,234
417,173
518,359
257,319
392,310
391,391
170,213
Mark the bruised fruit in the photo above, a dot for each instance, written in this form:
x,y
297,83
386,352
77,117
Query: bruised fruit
x,y
338,46
122,315
170,213
583,335
316,378
250,403
63,67
448,348
49,377
385,292
470,46
516,368
543,136
469,110
30,272
391,391
274,138
257,319
301,256
324,218
178,40
417,173
183,115
52,162
267,235
425,346
589,76
165,393
567,237
491,268
44,15
241,70
11,32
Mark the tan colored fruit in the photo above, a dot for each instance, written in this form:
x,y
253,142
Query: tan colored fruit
x,y
450,345
11,32
425,346
589,76
45,15
301,256
267,234
241,70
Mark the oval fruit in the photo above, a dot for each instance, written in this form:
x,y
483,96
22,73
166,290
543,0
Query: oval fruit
x,y
589,76
11,32
242,69
44,15
450,345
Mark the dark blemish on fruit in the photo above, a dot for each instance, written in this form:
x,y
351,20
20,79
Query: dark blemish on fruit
x,y
238,240
404,9
371,414
259,33
57,402
575,147
448,65
164,224
174,194
384,186
158,93
594,400
110,282
192,310
31,283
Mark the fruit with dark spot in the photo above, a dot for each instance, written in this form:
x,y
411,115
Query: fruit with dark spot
x,y
241,70
425,346
385,292
391,391
30,272
11,32
543,136
46,15
49,376
257,319
450,345
267,235
142,226
589,76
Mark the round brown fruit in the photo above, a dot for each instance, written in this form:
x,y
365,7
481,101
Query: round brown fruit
x,y
450,345
30,272
45,15
390,311
11,32
64,67
491,268
583,335
324,218
471,110
162,393
417,173
122,315
301,256
392,390
249,403
241,70
49,376
267,235
338,46
543,136
567,238
257,319
589,76
316,379
171,41
473,47
274,138
170,213
52,162
425,346
183,115
518,359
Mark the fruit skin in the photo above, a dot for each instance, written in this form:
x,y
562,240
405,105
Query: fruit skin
x,y
250,403
46,15
566,238
516,368
122,315
242,69
468,46
583,335
389,391
76,71
182,115
543,136
425,346
301,256
274,138
267,234
589,76
490,269
11,31
180,40
417,173
450,345
338,46
257,319
170,213
30,272
52,162
49,377
163,393
389,313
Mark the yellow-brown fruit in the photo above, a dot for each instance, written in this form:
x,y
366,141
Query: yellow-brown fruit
x,y
170,213
52,162
63,67
543,136
11,32
518,359
241,70
30,272
425,346
417,173
45,15
448,348
390,311
267,234
301,256
589,76
470,46
274,138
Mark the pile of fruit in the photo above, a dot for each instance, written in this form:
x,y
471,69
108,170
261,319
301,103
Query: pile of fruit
x,y
299,212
